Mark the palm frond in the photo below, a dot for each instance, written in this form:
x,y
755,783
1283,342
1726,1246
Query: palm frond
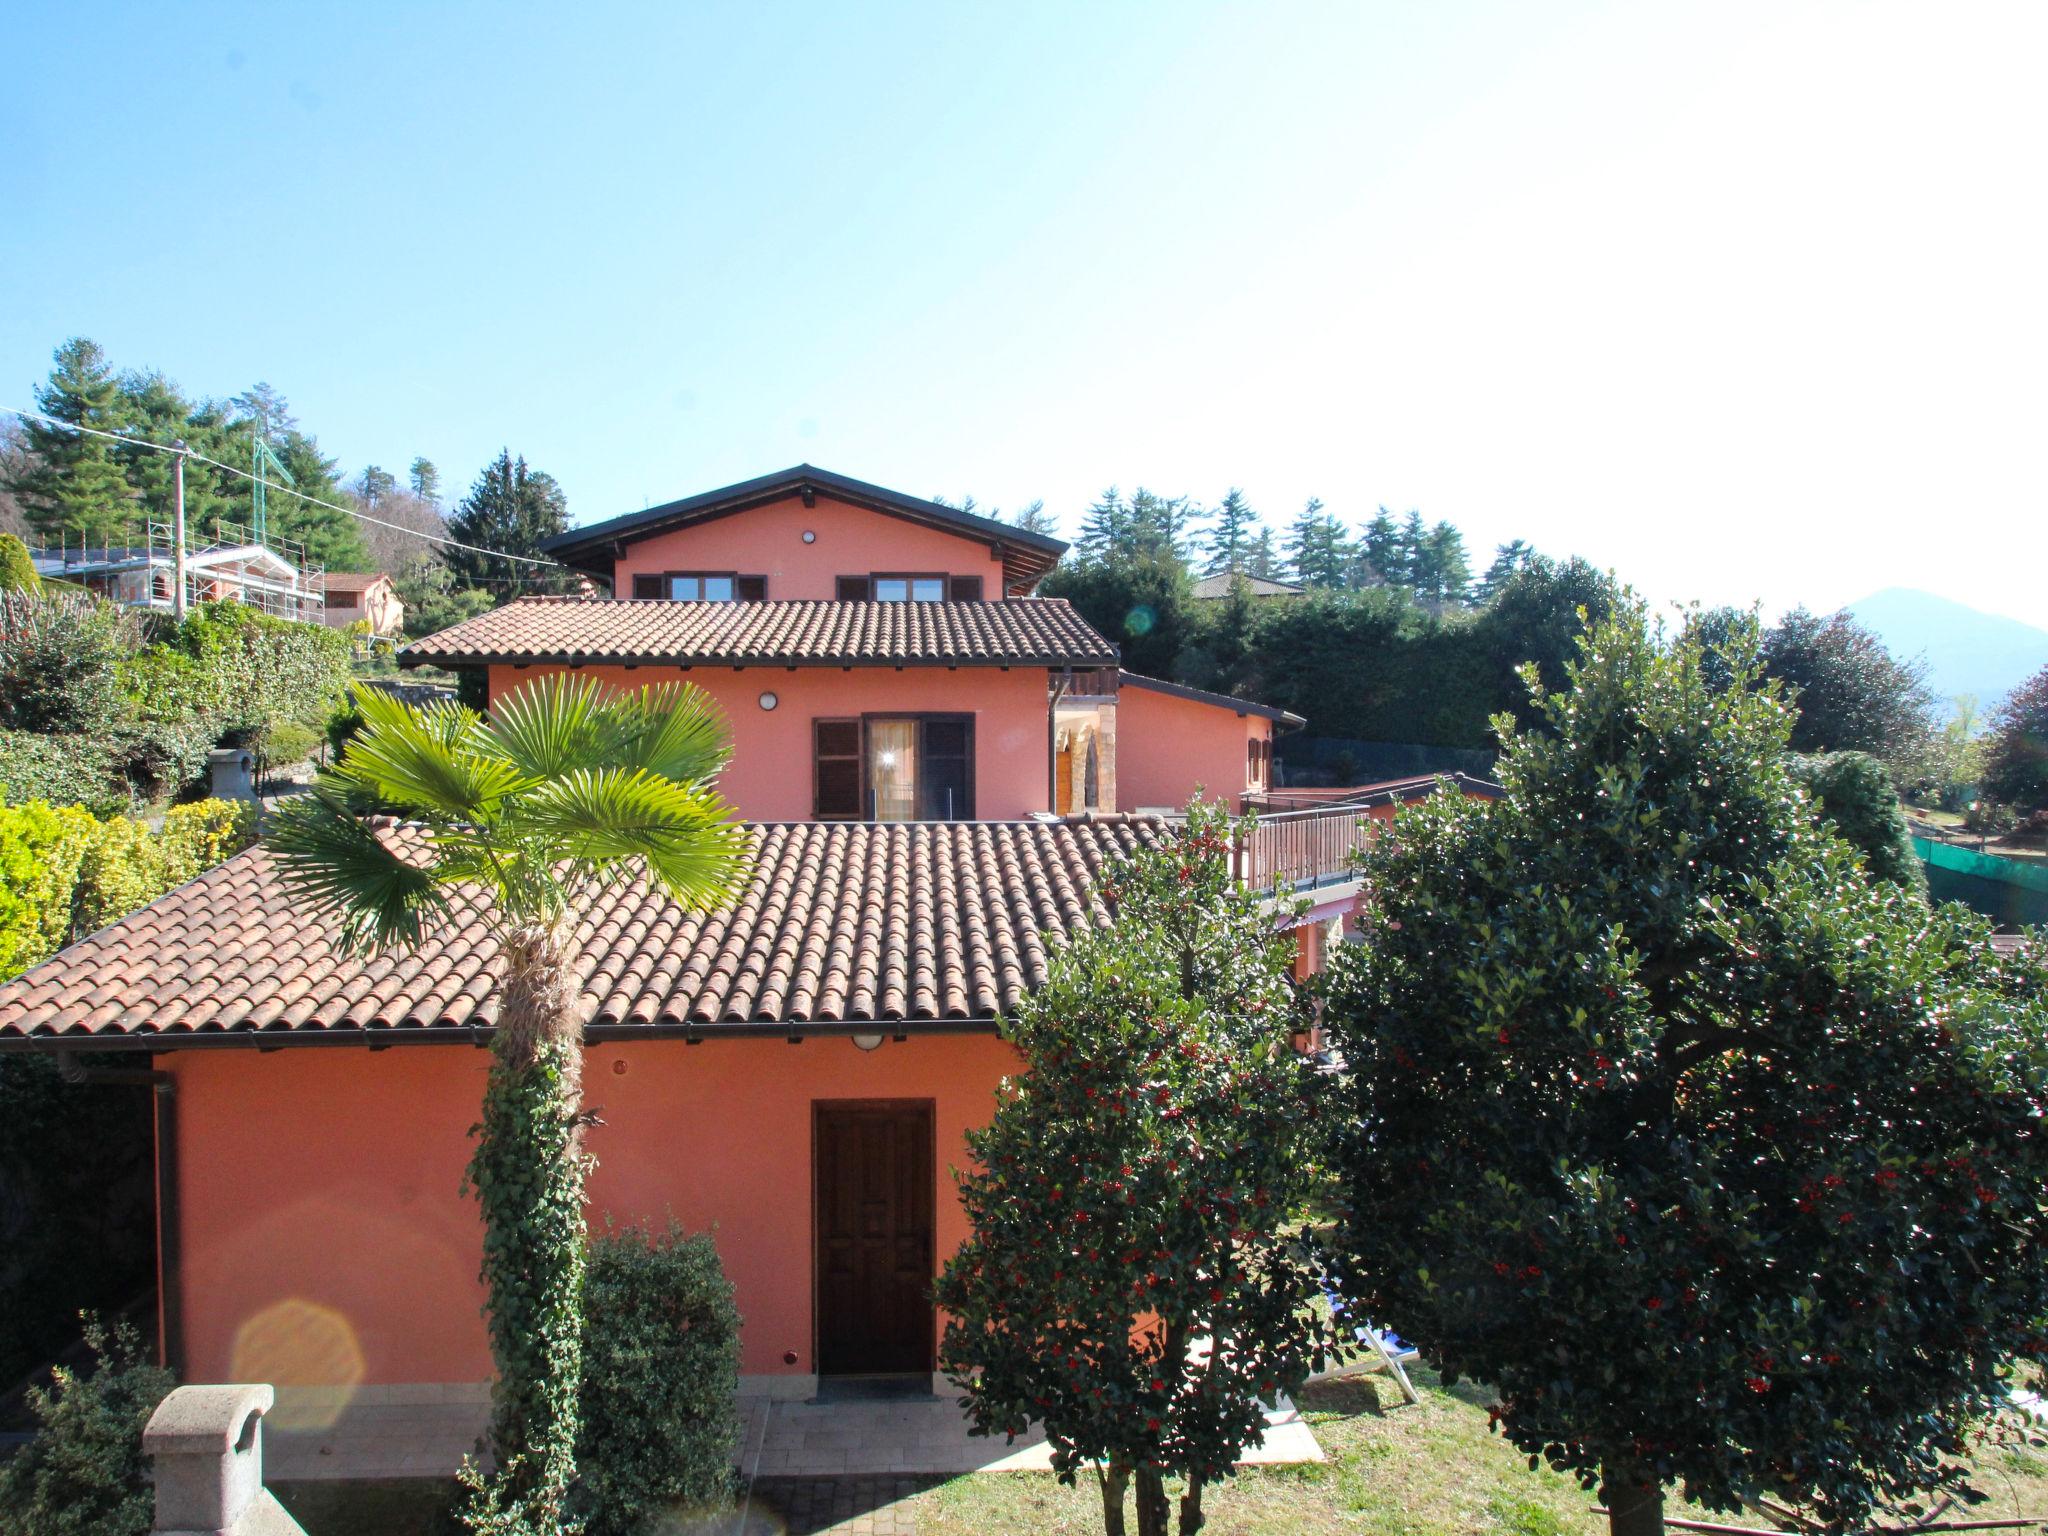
x,y
555,725
425,759
678,732
337,861
684,834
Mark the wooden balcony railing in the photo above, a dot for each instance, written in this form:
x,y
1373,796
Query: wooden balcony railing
x,y
1300,850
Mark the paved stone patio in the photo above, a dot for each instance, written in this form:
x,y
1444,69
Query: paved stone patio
x,y
889,1438
927,1437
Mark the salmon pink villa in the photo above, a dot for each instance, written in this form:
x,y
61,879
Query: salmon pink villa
x,y
933,765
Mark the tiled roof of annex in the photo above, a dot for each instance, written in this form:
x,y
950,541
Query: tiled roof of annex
x,y
900,926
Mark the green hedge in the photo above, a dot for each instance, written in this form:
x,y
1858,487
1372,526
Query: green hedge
x,y
41,848
64,769
1855,792
65,873
131,704
660,1369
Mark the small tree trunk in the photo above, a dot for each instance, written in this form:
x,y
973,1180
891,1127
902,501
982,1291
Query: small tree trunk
x,y
1191,1517
1114,1481
1153,1509
528,1173
1634,1499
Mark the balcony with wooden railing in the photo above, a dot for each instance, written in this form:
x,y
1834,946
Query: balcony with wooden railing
x,y
1302,850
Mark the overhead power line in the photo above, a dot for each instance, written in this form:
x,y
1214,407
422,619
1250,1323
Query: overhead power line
x,y
355,512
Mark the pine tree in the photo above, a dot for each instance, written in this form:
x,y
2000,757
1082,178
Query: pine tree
x,y
1382,549
1162,525
374,484
511,508
1105,528
268,410
1033,518
1442,572
331,537
71,486
426,480
1229,541
1508,558
1408,551
1317,549
1264,559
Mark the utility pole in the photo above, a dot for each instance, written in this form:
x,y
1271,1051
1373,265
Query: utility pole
x,y
178,530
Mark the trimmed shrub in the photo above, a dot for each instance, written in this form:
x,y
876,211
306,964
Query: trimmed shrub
x,y
346,720
1854,791
84,1474
59,662
40,851
123,869
17,570
660,1369
64,874
282,743
62,770
198,836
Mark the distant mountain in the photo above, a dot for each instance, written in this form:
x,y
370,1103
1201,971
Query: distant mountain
x,y
1966,651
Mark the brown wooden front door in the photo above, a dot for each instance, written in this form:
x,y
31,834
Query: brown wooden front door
x,y
874,1215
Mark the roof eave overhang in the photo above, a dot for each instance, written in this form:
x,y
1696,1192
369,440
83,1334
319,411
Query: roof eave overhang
x,y
411,658
383,1037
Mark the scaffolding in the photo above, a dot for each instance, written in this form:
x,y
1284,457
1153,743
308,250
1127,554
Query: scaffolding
x,y
228,562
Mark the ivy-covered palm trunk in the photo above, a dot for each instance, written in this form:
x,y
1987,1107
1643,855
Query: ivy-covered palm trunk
x,y
528,1173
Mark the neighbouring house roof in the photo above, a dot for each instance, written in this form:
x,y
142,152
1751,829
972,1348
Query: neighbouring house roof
x,y
355,581
1221,700
921,926
1026,556
1261,586
1025,631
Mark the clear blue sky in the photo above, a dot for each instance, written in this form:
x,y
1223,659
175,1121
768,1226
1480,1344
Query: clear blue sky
x,y
1743,301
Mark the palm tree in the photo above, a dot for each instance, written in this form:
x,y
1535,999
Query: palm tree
x,y
519,820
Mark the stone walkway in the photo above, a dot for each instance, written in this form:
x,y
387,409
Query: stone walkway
x,y
927,1437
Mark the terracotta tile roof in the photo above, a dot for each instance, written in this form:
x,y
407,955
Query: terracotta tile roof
x,y
925,925
1025,631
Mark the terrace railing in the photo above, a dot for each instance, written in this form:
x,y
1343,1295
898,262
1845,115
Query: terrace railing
x,y
1300,850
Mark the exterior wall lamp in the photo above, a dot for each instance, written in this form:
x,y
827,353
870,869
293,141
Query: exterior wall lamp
x,y
867,1042
769,700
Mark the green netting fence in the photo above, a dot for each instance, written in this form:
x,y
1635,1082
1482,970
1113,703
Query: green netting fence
x,y
2004,890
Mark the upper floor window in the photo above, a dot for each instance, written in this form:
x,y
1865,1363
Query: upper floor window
x,y
701,587
1258,763
909,587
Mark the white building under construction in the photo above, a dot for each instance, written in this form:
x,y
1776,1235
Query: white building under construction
x,y
224,563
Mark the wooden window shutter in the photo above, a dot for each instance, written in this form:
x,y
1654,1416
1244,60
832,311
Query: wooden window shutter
x,y
836,770
646,586
752,589
852,589
963,589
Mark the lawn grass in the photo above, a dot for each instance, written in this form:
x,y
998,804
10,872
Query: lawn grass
x,y
1427,1469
